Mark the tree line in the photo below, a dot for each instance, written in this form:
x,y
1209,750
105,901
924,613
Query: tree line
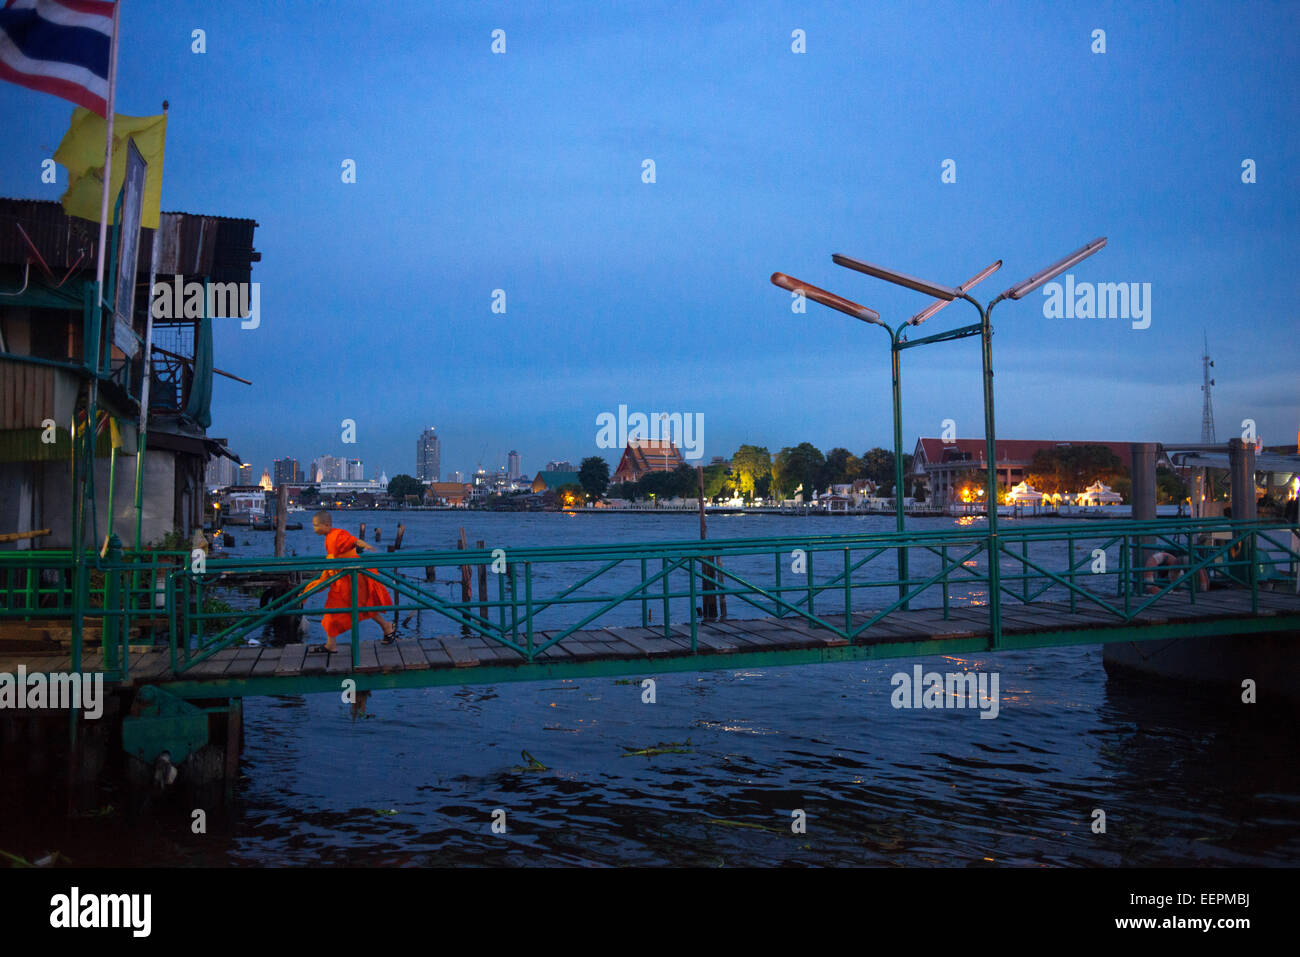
x,y
755,473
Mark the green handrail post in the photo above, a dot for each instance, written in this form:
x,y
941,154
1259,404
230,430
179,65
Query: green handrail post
x,y
777,610
528,597
356,618
943,557
808,570
1254,571
1126,574
1070,564
514,604
110,632
1024,569
695,625
645,603
501,607
667,622
848,594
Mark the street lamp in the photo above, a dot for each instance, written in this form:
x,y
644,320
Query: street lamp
x,y
816,294
850,308
947,294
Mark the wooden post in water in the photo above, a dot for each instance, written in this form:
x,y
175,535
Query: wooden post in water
x,y
397,542
376,533
281,516
466,592
362,534
482,587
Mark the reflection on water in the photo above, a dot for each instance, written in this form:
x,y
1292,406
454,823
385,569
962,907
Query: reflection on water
x,y
710,774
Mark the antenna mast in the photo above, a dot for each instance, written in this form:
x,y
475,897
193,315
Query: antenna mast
x,y
1207,407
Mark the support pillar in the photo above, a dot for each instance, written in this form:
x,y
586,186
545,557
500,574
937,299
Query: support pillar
x,y
1143,496
1241,473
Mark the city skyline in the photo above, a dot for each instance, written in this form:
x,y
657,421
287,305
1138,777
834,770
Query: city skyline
x,y
756,170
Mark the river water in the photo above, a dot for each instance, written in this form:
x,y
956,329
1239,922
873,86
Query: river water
x,y
421,777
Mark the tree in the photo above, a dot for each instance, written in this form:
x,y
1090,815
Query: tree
x,y
802,465
308,495
716,480
593,476
686,482
403,485
658,484
571,495
1170,488
878,465
1072,468
842,467
751,466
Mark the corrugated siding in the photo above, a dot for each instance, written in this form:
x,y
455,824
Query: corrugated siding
x,y
213,246
26,394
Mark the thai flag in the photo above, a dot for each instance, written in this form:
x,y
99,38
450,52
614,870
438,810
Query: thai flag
x,y
60,47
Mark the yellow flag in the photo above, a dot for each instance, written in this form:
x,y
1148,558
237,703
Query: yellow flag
x,y
82,152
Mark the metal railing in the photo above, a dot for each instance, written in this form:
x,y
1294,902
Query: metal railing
x,y
538,596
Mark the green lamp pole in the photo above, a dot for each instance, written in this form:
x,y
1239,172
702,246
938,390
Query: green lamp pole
x,y
896,344
945,295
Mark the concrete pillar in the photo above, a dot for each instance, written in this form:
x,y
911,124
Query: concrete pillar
x,y
1143,496
1241,474
1143,493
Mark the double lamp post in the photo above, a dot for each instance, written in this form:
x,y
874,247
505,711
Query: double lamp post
x,y
897,342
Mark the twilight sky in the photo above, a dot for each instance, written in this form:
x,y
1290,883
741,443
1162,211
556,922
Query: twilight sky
x,y
522,171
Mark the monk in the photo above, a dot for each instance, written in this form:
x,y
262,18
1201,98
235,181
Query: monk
x,y
341,544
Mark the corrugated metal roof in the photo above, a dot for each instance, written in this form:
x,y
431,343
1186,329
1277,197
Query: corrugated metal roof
x,y
194,244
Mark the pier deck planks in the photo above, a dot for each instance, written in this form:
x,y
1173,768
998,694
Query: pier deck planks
x,y
649,644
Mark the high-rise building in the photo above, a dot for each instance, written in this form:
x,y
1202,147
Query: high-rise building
x,y
244,474
287,471
458,476
220,472
428,456
353,470
562,466
512,464
328,468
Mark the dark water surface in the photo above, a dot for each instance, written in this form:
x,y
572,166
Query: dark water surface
x,y
416,781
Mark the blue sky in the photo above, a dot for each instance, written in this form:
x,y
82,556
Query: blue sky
x,y
523,172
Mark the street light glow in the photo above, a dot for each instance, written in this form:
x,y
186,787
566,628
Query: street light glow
x,y
817,294
969,284
901,279
1051,272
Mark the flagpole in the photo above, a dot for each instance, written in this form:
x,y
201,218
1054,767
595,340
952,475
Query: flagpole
x,y
147,375
108,155
79,529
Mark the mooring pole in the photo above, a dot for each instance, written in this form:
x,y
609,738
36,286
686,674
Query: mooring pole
x,y
281,513
1143,494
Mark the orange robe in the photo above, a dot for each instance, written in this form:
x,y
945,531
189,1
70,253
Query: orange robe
x,y
341,544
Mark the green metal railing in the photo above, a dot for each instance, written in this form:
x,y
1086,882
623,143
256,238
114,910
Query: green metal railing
x,y
121,594
541,595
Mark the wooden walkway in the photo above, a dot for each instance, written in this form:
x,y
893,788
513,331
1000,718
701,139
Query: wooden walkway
x,y
649,645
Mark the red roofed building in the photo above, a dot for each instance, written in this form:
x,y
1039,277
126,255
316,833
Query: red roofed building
x,y
941,464
646,455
